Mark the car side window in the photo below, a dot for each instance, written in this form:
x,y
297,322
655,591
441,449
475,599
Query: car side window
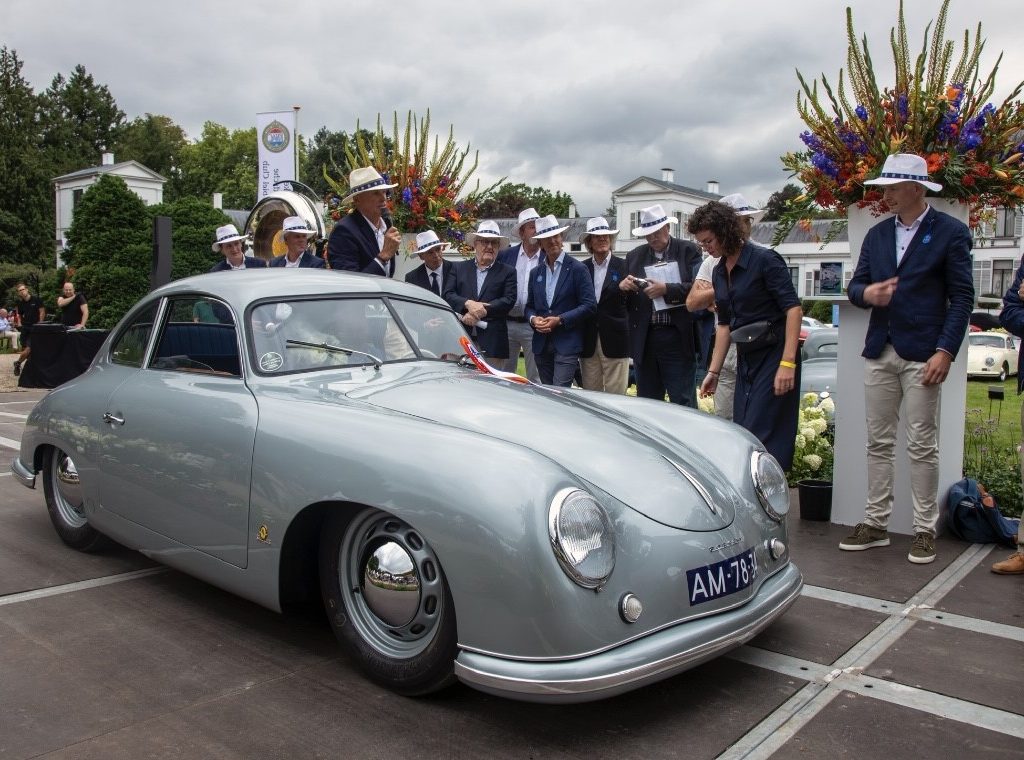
x,y
130,346
198,335
1011,344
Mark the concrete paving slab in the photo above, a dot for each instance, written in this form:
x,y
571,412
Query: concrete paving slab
x,y
854,726
79,665
818,630
985,595
33,557
883,573
972,666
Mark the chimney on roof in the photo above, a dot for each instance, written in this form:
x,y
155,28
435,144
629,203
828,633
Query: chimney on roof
x,y
107,158
218,200
668,175
713,186
572,210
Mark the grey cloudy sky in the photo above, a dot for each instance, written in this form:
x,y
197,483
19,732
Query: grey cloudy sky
x,y
576,96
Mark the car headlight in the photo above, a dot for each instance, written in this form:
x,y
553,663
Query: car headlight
x,y
989,361
770,484
581,537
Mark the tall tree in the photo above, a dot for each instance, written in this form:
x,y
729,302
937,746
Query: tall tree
x,y
155,141
80,120
509,199
221,161
26,203
327,152
776,204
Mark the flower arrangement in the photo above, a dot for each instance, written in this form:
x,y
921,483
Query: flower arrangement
x,y
429,183
814,456
936,110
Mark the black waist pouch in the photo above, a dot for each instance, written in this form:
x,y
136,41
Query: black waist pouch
x,y
755,336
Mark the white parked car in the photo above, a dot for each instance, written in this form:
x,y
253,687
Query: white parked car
x,y
992,354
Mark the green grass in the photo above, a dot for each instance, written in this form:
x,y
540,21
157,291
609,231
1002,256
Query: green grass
x,y
992,431
1005,413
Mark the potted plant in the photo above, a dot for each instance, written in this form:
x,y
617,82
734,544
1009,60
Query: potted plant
x,y
937,107
813,457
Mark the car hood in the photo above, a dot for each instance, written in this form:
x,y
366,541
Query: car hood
x,y
662,477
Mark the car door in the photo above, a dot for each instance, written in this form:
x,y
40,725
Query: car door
x,y
182,431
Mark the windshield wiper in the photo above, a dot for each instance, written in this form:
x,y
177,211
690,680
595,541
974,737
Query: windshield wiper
x,y
337,350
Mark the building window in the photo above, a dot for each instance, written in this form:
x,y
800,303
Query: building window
x,y
1007,223
1002,276
794,276
76,197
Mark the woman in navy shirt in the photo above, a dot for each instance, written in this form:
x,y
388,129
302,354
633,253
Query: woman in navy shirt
x,y
755,298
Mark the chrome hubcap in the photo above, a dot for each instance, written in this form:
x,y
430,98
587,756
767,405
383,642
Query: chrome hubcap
x,y
67,490
391,586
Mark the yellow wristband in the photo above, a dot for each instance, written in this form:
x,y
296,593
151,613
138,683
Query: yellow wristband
x,y
784,363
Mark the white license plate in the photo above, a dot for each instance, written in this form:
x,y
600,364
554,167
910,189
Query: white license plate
x,y
721,578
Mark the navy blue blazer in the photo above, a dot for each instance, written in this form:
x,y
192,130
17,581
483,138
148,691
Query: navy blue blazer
x,y
688,258
498,292
251,262
1012,318
418,276
573,301
932,303
509,255
610,321
306,261
353,247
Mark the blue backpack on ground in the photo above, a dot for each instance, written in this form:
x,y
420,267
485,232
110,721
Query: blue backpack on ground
x,y
972,515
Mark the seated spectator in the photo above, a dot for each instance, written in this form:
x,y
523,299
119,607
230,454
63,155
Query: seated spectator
x,y
7,329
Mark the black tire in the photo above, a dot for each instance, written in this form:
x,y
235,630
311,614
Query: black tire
x,y
413,653
1004,372
64,503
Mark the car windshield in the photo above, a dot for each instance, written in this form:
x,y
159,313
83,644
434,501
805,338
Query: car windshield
x,y
990,341
305,335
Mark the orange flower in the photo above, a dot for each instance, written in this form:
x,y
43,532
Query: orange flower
x,y
935,162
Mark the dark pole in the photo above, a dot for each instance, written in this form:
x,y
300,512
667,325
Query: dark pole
x,y
160,274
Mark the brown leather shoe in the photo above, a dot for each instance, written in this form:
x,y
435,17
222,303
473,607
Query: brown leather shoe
x,y
1012,565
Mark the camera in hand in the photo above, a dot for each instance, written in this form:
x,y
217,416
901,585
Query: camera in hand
x,y
640,282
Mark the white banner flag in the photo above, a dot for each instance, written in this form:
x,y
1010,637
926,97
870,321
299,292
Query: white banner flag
x,y
275,133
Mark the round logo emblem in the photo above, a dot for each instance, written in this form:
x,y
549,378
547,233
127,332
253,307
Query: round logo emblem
x,y
276,136
271,362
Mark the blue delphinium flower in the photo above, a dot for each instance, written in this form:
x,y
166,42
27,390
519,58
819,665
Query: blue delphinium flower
x,y
902,106
407,196
862,113
825,164
812,141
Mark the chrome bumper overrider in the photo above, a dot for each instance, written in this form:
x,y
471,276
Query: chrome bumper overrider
x,y
640,662
23,474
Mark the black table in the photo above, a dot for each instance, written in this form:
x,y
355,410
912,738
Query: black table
x,y
59,355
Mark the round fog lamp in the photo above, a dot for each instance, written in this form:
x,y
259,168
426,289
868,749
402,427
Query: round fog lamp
x,y
776,549
630,607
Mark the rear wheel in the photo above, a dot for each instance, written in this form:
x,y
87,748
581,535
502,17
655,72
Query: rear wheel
x,y
64,502
388,601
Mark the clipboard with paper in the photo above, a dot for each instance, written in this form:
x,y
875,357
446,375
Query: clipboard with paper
x,y
667,272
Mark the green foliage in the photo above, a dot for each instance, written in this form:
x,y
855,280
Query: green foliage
x,y
10,275
156,142
26,203
814,457
328,152
192,224
991,458
507,200
776,204
820,310
221,161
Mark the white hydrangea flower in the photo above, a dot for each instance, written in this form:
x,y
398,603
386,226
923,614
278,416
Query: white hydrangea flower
x,y
828,406
819,425
808,433
813,461
800,441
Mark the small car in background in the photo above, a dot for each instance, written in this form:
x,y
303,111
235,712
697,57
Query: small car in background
x,y
992,354
819,361
809,325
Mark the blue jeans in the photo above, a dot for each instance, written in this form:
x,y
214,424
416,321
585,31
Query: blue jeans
x,y
668,367
557,369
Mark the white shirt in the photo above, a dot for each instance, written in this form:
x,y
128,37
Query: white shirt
x,y
600,273
905,234
378,231
292,264
524,265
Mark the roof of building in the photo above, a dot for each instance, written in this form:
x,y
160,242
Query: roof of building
x,y
816,232
577,226
672,186
106,169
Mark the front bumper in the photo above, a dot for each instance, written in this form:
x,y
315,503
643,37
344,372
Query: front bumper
x,y
637,663
23,474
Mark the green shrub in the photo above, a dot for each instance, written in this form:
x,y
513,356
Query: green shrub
x,y
992,459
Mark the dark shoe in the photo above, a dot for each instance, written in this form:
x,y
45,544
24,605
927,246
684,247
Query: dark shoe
x,y
1012,565
922,549
864,536
17,368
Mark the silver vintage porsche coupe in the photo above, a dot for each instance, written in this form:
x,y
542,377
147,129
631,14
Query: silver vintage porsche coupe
x,y
297,434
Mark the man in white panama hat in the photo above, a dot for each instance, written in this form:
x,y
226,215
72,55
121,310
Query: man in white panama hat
x,y
662,341
433,273
296,236
482,290
604,362
914,274
364,240
229,243
522,257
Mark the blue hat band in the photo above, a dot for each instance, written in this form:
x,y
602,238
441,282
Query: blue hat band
x,y
656,221
599,227
367,186
896,175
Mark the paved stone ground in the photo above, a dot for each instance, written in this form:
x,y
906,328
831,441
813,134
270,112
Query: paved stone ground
x,y
8,382
110,656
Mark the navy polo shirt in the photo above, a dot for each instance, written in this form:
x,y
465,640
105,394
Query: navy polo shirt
x,y
760,287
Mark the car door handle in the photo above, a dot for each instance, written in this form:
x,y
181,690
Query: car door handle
x,y
108,417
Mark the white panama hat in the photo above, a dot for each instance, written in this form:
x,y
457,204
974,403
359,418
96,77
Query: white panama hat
x,y
296,225
427,241
527,215
363,180
228,233
547,226
487,229
652,219
904,167
597,226
741,206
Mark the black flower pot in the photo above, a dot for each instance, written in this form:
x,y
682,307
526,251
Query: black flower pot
x,y
815,499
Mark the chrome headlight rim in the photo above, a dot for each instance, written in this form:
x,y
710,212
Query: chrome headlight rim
x,y
755,476
559,500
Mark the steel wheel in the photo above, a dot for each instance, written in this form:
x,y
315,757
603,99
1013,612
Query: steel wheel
x,y
388,600
65,502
